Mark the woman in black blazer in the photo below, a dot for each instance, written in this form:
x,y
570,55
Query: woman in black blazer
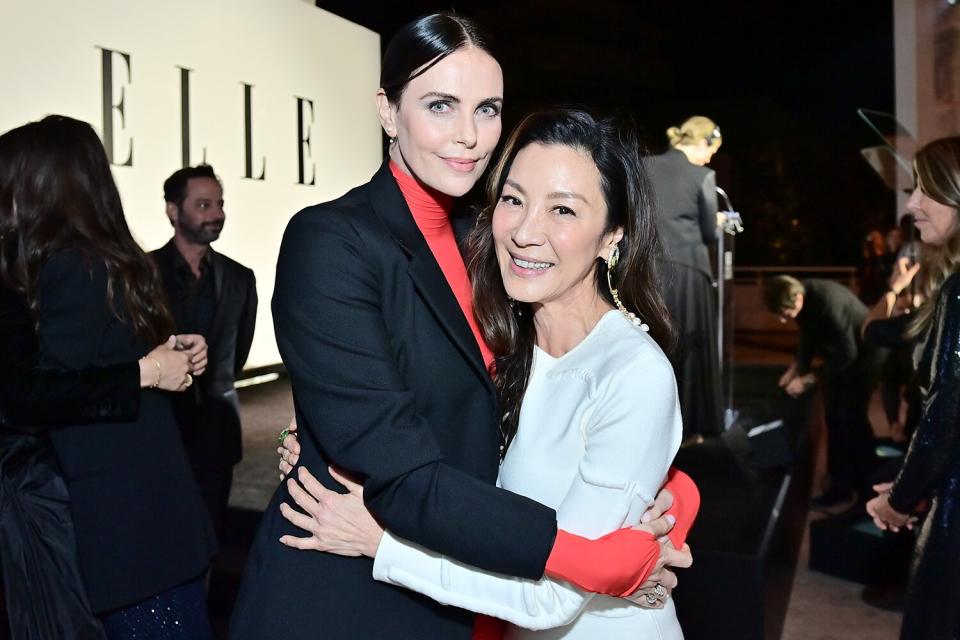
x,y
143,536
686,196
32,400
372,318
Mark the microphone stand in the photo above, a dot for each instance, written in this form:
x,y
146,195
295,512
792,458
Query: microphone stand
x,y
732,225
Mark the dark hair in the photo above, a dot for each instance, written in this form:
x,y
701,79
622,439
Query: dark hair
x,y
175,187
614,148
779,293
55,173
936,169
420,44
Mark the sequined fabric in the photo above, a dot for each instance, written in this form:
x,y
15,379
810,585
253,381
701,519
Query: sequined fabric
x,y
931,469
177,614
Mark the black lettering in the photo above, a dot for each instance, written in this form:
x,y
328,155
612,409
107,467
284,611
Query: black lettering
x,y
248,135
108,107
303,143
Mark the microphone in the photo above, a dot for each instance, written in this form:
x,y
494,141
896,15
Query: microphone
x,y
732,221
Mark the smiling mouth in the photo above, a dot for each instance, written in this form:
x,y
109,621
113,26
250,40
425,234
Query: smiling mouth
x,y
530,265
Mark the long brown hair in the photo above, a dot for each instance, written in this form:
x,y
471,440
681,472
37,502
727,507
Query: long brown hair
x,y
937,172
508,325
57,194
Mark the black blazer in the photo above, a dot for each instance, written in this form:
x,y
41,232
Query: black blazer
x,y
140,522
830,322
686,204
32,399
388,383
210,411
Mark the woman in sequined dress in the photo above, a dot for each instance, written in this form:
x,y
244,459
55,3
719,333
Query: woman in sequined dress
x,y
931,469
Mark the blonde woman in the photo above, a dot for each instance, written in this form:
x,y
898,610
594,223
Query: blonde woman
x,y
686,197
931,469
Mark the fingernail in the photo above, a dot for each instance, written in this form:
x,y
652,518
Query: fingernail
x,y
645,517
671,519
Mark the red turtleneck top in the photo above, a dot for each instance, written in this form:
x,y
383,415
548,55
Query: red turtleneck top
x,y
431,212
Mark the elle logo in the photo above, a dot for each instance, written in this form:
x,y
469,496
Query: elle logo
x,y
108,58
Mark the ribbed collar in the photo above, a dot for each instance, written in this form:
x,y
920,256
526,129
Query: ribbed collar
x,y
430,208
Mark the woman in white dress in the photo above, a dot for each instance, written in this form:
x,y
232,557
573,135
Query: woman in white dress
x,y
562,264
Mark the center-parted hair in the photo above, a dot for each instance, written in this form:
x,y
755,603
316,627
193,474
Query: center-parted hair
x,y
508,325
57,194
936,170
421,44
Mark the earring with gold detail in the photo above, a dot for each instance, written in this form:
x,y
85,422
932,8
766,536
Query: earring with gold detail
x,y
612,261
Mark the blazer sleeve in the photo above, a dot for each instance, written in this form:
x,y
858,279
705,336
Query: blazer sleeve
x,y
352,399
707,207
630,443
935,443
248,323
73,312
32,399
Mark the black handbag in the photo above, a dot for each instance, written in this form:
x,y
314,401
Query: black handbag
x,y
44,594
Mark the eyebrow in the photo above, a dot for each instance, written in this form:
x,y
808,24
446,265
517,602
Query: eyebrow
x,y
452,98
553,196
515,186
568,195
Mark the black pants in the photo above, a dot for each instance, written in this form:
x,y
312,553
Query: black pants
x,y
850,442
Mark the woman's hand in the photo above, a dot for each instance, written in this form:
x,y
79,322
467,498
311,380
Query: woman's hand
x,y
788,375
660,583
884,516
653,593
338,523
902,276
800,385
650,595
166,368
195,346
289,449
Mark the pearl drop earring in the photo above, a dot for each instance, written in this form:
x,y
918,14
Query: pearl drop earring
x,y
631,316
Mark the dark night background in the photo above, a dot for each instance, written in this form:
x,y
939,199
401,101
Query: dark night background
x,y
782,79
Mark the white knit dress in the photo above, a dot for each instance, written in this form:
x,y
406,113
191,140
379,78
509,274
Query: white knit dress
x,y
599,428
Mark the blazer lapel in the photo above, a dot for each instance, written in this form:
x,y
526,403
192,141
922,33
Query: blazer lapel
x,y
388,203
216,266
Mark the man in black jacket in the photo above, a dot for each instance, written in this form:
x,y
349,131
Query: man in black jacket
x,y
829,316
216,297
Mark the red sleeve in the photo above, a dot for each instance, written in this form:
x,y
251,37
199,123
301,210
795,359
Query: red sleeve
x,y
686,504
598,565
488,628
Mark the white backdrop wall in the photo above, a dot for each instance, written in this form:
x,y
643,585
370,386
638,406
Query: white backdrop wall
x,y
60,57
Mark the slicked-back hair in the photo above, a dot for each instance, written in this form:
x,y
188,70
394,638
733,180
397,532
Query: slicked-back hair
x,y
421,44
